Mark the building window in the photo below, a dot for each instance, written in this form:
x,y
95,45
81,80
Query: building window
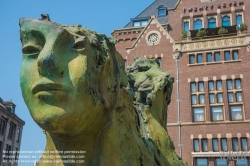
x,y
226,21
144,23
238,19
218,85
191,59
217,113
212,22
216,98
235,55
214,57
237,84
217,57
1,152
209,57
198,113
220,162
215,145
210,85
223,144
153,39
219,98
204,145
140,23
2,125
196,145
12,129
197,100
241,162
202,99
16,154
236,112
159,62
235,97
211,98
161,12
238,97
230,97
227,55
201,86
186,26
201,161
8,149
229,84
199,58
243,144
137,23
194,100
197,24
18,135
235,144
193,87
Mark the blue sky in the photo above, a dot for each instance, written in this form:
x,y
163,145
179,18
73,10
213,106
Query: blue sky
x,y
101,16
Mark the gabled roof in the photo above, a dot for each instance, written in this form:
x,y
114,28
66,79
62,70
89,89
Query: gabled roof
x,y
153,20
152,10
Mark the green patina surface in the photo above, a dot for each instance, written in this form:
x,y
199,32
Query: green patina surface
x,y
77,90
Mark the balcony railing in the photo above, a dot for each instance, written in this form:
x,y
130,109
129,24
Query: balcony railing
x,y
213,32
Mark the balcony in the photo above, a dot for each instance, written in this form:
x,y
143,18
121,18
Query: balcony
x,y
213,32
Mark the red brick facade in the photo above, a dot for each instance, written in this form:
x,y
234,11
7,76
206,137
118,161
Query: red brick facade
x,y
206,114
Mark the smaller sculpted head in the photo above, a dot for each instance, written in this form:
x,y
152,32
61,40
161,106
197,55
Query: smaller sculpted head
x,y
66,71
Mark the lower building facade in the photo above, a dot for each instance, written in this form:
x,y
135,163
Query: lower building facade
x,y
11,127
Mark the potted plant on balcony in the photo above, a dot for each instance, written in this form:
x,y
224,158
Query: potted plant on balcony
x,y
222,31
242,27
201,33
184,34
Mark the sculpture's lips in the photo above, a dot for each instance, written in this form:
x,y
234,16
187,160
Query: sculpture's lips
x,y
49,87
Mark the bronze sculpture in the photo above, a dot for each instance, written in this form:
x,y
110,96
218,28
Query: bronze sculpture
x,y
76,89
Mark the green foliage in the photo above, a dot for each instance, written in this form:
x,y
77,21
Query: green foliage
x,y
201,33
184,34
242,27
222,31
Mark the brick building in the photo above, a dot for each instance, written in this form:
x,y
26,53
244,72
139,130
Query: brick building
x,y
209,116
11,127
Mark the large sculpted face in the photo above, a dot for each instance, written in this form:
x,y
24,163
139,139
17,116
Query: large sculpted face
x,y
54,76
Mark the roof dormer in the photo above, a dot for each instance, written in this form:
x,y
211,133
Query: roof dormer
x,y
161,10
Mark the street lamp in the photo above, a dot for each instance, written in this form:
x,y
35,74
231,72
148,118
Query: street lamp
x,y
177,56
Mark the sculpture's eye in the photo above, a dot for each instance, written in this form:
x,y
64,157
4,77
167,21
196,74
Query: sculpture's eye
x,y
30,50
79,45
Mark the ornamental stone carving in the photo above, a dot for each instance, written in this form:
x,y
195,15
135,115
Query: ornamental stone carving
x,y
153,38
214,43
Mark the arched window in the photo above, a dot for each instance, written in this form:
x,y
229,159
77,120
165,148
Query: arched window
x,y
186,26
226,21
238,19
211,22
197,24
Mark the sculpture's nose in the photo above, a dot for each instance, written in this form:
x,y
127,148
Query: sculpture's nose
x,y
47,63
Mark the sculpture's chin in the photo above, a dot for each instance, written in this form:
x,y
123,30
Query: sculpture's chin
x,y
48,117
59,120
